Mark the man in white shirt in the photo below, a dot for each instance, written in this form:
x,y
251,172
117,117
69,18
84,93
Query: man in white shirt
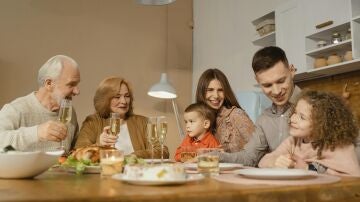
x,y
30,122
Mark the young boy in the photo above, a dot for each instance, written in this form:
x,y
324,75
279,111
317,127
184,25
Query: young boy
x,y
199,120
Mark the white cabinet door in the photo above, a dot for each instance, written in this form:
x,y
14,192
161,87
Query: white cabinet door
x,y
290,33
320,11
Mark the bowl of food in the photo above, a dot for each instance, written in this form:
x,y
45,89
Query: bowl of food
x,y
17,164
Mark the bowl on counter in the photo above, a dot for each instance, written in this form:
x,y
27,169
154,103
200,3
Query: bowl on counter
x,y
17,164
321,44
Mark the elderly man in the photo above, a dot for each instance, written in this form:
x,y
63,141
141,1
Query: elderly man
x,y
275,76
30,122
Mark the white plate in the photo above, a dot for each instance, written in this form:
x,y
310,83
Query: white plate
x,y
222,166
190,178
88,170
274,173
157,160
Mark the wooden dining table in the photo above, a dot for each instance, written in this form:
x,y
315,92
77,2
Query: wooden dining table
x,y
63,186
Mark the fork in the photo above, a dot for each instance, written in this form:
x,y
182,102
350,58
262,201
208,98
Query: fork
x,y
293,147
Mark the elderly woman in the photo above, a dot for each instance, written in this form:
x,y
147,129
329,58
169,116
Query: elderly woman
x,y
233,125
114,95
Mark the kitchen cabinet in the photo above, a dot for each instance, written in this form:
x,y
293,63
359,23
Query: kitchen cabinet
x,y
269,38
290,33
345,20
297,33
322,11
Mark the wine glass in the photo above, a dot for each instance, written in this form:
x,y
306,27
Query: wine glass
x,y
64,115
151,128
115,123
162,131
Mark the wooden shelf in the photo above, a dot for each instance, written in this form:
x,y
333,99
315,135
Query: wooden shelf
x,y
343,45
356,19
327,33
343,67
266,40
270,15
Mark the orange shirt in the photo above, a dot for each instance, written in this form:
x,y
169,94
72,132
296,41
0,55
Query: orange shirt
x,y
208,141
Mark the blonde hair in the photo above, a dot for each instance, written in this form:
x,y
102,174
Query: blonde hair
x,y
108,89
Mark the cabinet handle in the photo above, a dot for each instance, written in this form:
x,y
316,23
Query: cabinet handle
x,y
319,26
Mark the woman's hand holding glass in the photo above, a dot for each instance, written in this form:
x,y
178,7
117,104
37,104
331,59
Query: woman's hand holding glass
x,y
106,139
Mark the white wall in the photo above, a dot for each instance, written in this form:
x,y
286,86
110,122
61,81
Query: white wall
x,y
106,38
223,35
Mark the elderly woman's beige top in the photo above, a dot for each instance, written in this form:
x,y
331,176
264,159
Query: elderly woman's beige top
x,y
93,126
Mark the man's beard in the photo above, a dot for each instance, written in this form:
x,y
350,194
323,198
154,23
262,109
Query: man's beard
x,y
56,96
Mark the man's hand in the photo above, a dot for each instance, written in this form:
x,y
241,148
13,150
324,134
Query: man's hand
x,y
52,131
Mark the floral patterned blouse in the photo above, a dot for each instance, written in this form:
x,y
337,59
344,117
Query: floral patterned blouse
x,y
233,128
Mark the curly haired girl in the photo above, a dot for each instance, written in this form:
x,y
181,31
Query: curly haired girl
x,y
323,133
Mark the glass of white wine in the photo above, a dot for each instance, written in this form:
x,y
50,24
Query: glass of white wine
x,y
115,123
64,115
162,131
151,128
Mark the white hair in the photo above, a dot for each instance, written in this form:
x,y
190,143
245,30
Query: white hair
x,y
52,68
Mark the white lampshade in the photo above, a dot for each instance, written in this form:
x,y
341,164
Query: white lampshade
x,y
154,2
163,89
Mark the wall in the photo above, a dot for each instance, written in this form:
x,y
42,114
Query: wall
x,y
336,85
223,35
106,38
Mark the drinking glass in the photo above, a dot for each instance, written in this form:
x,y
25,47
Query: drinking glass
x,y
162,131
111,161
115,123
188,153
208,161
65,114
151,128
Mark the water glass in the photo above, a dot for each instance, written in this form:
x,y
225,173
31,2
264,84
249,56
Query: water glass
x,y
111,161
208,161
188,153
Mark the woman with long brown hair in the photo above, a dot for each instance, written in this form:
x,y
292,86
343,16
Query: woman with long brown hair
x,y
233,126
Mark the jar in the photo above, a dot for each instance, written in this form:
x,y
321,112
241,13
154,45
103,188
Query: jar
x,y
348,34
320,62
336,38
321,44
333,59
348,56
